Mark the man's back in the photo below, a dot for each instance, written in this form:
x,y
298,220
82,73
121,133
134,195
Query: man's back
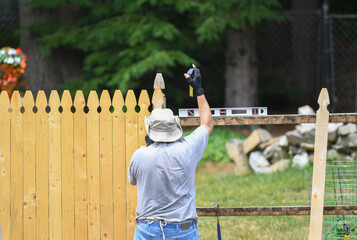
x,y
165,175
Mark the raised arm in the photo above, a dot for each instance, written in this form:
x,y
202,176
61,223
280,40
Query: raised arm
x,y
203,106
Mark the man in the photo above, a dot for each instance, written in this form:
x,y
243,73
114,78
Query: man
x,y
165,172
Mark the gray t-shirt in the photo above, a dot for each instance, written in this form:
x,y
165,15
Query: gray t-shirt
x,y
165,178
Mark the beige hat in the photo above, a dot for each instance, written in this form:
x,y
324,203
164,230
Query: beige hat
x,y
163,126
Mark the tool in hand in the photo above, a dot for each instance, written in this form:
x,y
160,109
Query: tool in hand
x,y
190,72
193,77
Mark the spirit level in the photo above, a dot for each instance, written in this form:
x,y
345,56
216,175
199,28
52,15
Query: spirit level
x,y
229,112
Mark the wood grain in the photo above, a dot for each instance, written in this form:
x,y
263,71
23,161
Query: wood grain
x,y
80,167
319,170
270,119
119,167
67,167
16,193
42,221
5,165
29,155
106,167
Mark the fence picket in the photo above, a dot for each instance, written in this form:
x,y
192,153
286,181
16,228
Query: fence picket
x,y
131,120
119,172
5,165
106,166
54,133
42,165
29,155
93,167
144,103
80,169
67,167
16,168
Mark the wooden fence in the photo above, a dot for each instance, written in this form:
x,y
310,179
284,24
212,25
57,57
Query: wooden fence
x,y
63,172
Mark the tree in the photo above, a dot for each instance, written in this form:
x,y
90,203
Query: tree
x,y
120,41
237,19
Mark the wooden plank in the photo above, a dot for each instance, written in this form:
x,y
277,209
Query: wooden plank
x,y
29,155
106,167
54,153
80,167
270,119
67,167
131,145
319,171
144,103
274,211
119,169
5,165
93,167
16,168
42,141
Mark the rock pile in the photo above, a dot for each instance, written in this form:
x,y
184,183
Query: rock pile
x,y
262,153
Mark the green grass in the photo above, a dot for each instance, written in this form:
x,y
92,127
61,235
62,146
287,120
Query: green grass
x,y
288,188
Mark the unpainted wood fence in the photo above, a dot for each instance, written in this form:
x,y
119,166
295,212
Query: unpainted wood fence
x,y
63,171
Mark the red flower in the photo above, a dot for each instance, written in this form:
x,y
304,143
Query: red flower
x,y
25,57
18,51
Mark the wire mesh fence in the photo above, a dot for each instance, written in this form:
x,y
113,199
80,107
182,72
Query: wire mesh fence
x,y
345,61
340,190
9,23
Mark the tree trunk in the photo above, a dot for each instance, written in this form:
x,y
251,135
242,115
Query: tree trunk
x,y
46,72
241,72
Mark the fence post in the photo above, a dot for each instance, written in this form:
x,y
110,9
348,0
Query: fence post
x,y
158,98
318,177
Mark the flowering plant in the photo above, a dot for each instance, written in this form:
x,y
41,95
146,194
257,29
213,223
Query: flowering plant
x,y
12,68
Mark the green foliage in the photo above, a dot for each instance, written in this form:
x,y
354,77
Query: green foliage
x,y
216,149
123,41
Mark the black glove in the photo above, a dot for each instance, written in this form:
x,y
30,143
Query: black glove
x,y
196,81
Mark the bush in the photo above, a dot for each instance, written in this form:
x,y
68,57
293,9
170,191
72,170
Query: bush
x,y
216,149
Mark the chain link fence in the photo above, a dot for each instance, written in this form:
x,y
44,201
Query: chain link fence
x,y
9,23
288,61
344,38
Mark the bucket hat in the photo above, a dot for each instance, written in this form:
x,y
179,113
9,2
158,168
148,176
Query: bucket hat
x,y
163,126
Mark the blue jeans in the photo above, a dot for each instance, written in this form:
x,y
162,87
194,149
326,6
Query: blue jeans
x,y
152,230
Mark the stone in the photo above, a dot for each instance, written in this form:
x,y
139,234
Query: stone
x,y
300,160
341,148
307,146
332,131
352,140
268,143
354,155
255,138
269,151
293,150
279,154
258,162
295,138
332,154
306,129
279,166
235,151
306,110
347,129
283,141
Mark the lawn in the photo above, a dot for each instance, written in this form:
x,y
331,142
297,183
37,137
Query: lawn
x,y
218,186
